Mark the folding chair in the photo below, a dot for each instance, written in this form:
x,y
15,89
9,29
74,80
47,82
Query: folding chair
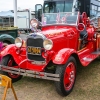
x,y
7,83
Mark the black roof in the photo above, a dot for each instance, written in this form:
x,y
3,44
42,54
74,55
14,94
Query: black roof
x,y
55,0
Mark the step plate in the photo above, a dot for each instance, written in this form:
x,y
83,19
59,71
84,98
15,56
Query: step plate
x,y
96,52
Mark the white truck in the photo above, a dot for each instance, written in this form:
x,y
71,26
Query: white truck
x,y
23,20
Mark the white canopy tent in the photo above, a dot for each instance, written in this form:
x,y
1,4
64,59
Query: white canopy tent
x,y
10,14
7,18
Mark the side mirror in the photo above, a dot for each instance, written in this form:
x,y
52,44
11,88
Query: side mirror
x,y
38,11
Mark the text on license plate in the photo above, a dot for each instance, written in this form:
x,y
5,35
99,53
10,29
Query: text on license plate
x,y
34,50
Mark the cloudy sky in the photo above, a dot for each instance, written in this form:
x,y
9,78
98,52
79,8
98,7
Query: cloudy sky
x,y
23,4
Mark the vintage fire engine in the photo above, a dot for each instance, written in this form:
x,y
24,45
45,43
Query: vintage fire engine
x,y
60,42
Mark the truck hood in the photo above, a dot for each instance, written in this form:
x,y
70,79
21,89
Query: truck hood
x,y
57,31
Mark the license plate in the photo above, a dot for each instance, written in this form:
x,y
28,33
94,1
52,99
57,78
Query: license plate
x,y
34,50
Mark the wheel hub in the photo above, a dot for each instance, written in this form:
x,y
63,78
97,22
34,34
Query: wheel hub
x,y
69,76
72,75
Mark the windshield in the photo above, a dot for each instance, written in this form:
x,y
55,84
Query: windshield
x,y
57,6
67,18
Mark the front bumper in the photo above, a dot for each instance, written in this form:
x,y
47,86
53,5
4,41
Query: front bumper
x,y
30,73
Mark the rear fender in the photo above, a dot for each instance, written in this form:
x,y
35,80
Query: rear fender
x,y
62,56
6,37
11,50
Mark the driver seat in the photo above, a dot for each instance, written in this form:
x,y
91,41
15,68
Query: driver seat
x,y
83,34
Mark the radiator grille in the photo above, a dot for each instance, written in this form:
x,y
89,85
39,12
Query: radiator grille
x,y
35,42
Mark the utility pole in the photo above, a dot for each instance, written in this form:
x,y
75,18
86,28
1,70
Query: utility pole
x,y
15,12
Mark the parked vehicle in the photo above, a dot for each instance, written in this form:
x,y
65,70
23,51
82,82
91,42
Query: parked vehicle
x,y
23,21
54,50
91,7
8,35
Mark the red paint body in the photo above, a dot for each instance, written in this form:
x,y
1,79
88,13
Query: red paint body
x,y
65,44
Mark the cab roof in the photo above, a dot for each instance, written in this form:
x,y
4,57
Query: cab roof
x,y
55,0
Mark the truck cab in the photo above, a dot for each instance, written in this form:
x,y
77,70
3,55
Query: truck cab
x,y
91,7
54,6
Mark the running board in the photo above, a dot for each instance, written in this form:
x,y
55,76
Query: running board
x,y
89,58
30,73
96,52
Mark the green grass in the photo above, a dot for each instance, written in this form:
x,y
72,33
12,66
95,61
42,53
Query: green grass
x,y
87,86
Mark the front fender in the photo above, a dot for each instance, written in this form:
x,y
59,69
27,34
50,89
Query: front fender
x,y
62,56
6,37
11,50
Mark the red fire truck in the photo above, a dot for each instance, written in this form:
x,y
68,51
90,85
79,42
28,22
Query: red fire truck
x,y
63,40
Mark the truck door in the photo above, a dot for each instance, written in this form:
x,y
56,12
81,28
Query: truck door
x,y
38,11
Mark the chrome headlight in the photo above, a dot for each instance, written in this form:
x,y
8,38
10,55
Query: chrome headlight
x,y
18,42
48,44
34,23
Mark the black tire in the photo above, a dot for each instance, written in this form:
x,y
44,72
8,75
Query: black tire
x,y
63,87
5,43
5,62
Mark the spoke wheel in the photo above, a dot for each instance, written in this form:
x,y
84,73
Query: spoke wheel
x,y
67,73
69,76
9,61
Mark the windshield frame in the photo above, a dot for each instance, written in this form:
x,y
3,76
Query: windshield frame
x,y
60,23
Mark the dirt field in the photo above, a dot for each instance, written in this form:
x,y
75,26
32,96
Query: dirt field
x,y
87,87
